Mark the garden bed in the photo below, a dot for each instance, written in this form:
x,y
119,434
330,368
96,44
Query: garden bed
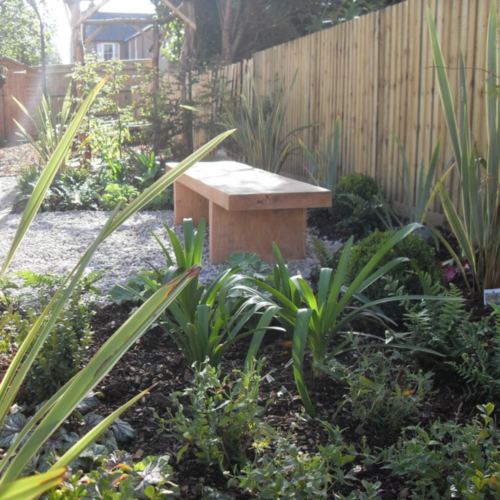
x,y
155,359
360,415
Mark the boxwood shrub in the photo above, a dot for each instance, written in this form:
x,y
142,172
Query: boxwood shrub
x,y
358,184
354,203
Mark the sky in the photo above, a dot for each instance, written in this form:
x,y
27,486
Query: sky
x,y
57,11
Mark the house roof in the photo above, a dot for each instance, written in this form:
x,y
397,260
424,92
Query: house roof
x,y
115,32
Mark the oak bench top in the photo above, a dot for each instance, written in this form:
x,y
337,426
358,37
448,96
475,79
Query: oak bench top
x,y
236,186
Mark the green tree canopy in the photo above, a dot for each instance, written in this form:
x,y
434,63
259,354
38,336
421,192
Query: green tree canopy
x,y
20,33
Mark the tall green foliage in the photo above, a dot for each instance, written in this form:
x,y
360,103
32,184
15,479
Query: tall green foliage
x,y
50,127
324,160
318,321
478,228
259,122
55,411
419,191
107,124
159,106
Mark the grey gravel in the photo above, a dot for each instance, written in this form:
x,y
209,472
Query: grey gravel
x,y
56,241
7,186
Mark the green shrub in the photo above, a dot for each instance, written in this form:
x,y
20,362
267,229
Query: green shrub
x,y
414,248
361,185
113,171
107,126
293,473
63,352
74,189
26,181
159,107
357,203
283,470
449,460
383,392
114,193
222,418
471,349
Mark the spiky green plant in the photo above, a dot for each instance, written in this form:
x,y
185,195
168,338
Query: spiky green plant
x,y
478,228
55,411
259,122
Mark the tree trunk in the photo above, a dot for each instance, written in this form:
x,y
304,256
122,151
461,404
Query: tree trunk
x,y
186,61
226,21
42,46
76,32
233,19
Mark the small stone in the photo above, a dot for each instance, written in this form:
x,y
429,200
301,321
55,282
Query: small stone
x,y
404,493
138,454
160,400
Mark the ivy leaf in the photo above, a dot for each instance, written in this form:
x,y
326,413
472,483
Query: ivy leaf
x,y
13,425
53,443
109,441
123,430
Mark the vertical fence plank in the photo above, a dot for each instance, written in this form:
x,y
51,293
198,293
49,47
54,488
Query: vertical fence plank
x,y
416,28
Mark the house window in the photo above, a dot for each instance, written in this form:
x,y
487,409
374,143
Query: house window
x,y
107,51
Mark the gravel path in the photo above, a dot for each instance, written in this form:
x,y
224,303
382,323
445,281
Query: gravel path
x,y
7,185
14,158
56,241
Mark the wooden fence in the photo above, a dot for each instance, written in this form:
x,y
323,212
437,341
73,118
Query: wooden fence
x,y
24,83
376,73
58,81
21,84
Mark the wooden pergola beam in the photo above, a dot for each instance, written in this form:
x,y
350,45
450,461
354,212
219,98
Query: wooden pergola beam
x,y
127,20
146,35
90,13
179,12
94,34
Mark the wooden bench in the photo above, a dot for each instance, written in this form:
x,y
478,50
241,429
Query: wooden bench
x,y
247,209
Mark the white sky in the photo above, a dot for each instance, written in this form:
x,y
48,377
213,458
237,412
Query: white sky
x,y
57,10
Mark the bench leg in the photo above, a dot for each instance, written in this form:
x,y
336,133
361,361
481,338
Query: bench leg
x,y
188,204
255,231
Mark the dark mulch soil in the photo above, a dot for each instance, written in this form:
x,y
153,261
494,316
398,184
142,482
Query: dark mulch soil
x,y
329,228
156,360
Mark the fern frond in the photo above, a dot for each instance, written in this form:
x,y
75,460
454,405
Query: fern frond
x,y
34,280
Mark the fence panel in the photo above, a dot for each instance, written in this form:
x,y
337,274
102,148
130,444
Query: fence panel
x,y
377,74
